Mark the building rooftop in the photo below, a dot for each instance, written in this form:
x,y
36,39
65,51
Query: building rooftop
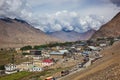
x,y
47,60
60,52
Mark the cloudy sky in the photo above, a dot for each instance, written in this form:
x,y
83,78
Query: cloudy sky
x,y
56,15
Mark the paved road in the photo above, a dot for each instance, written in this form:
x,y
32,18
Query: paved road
x,y
79,69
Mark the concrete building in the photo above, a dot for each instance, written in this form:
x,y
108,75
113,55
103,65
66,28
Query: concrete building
x,y
10,68
58,54
47,62
35,69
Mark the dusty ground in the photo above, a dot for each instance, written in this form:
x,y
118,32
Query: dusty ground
x,y
69,63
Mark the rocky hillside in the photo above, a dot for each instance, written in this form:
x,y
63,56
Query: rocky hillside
x,y
17,33
110,29
109,69
106,68
72,35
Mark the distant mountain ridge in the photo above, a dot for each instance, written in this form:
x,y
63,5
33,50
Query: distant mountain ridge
x,y
110,29
18,33
72,35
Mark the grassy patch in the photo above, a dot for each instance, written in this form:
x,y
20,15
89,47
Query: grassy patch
x,y
6,57
46,73
15,76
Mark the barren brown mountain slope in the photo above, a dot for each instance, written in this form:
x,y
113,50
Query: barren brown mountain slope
x,y
110,29
106,68
72,35
17,33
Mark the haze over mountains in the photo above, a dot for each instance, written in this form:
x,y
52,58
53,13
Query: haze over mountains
x,y
17,33
110,29
72,35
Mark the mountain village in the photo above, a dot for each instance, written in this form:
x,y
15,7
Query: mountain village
x,y
59,39
77,56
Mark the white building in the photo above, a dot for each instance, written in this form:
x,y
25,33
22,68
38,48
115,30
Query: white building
x,y
10,68
36,57
47,62
94,48
63,51
24,66
103,45
35,69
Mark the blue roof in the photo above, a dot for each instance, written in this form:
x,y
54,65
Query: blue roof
x,y
86,52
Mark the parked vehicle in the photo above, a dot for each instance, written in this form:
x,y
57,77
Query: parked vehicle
x,y
80,65
50,78
64,72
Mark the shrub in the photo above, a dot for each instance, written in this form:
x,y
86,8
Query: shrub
x,y
26,48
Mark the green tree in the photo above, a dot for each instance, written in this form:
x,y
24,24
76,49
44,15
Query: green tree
x,y
26,48
2,67
111,42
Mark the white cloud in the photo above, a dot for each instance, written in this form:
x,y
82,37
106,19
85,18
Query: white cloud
x,y
14,8
61,20
65,20
108,10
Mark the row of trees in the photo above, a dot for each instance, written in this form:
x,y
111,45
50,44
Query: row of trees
x,y
26,48
39,47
